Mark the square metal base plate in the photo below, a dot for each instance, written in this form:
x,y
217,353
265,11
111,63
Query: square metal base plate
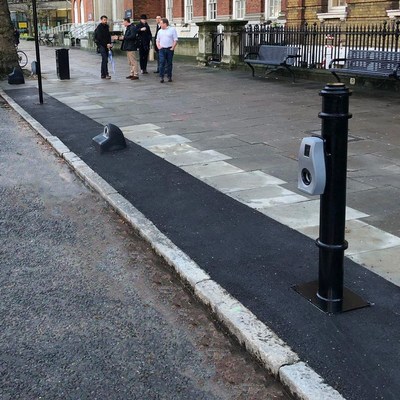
x,y
351,301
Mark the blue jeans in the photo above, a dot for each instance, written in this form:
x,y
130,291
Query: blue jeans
x,y
104,60
166,55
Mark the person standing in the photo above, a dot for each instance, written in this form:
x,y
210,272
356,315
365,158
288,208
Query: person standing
x,y
144,42
167,39
158,27
130,45
102,38
16,37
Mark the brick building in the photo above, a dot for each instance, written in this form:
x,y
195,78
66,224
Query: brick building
x,y
185,13
91,10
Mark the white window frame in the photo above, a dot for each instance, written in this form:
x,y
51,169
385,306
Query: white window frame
x,y
334,12
239,9
211,10
332,8
188,10
169,5
272,9
76,12
82,12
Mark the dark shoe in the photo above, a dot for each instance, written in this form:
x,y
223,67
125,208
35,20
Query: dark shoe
x,y
169,79
108,77
162,81
134,78
103,77
156,72
129,77
144,72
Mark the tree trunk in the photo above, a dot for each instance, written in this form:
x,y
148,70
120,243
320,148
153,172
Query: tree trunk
x,y
8,53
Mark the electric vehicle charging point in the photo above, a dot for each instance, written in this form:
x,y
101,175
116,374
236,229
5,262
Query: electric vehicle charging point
x,y
312,170
322,169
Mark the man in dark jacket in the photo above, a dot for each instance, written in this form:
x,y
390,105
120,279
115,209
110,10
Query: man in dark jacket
x,y
130,45
158,27
144,42
102,38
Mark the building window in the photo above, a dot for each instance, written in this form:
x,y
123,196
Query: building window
x,y
212,9
273,8
239,9
76,16
336,10
336,4
188,10
169,6
82,13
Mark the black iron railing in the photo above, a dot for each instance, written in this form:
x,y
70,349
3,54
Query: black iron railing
x,y
319,43
217,47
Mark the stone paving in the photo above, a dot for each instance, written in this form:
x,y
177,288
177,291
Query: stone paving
x,y
241,135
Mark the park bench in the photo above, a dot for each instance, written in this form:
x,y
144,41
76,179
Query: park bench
x,y
41,38
49,39
273,56
368,63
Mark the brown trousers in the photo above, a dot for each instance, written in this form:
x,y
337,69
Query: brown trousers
x,y
133,63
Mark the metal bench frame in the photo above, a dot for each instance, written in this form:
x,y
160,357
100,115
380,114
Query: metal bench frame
x,y
368,63
49,39
278,56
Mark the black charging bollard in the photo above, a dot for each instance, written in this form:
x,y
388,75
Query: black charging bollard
x,y
332,217
328,292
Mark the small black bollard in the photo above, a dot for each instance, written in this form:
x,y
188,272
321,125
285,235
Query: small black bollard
x,y
328,292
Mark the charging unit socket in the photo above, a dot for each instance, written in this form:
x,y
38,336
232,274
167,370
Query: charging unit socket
x,y
311,166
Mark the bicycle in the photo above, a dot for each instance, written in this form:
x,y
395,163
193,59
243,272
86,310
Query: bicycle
x,y
22,58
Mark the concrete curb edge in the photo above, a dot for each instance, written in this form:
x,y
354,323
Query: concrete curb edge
x,y
260,341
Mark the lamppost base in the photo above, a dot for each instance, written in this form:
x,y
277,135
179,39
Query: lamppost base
x,y
351,301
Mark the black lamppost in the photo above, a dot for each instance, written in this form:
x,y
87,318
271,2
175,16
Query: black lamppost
x,y
38,71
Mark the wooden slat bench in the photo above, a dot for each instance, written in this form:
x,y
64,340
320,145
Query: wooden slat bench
x,y
276,56
368,63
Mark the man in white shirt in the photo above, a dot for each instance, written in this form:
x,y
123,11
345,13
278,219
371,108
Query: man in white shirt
x,y
167,39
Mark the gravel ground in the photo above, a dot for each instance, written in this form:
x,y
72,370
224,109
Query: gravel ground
x,y
87,310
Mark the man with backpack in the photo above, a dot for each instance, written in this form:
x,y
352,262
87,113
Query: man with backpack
x,y
130,45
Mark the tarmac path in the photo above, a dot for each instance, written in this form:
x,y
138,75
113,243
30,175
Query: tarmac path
x,y
87,310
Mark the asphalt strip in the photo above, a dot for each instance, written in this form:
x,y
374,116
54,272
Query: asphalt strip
x,y
239,262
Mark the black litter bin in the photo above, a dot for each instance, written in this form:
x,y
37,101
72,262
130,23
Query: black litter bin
x,y
62,61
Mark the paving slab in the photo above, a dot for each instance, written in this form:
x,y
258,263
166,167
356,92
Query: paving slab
x,y
242,181
208,170
304,214
196,157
